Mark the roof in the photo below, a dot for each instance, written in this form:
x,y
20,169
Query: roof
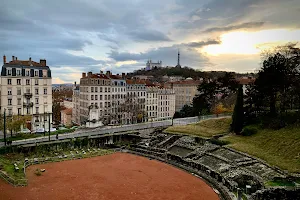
x,y
25,63
67,111
246,80
135,82
115,77
103,76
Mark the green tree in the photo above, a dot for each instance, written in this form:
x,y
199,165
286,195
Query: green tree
x,y
238,113
187,111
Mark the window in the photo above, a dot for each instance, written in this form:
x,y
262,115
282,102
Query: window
x,y
27,82
96,89
44,73
8,91
45,90
19,72
100,89
9,111
19,101
36,81
36,91
92,89
27,73
28,111
96,97
37,110
92,97
18,81
36,73
9,102
19,111
9,72
36,100
105,89
27,90
8,81
108,89
100,97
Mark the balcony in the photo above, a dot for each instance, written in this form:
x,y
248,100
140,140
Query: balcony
x,y
27,104
28,95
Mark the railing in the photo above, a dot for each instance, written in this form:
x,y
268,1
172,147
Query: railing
x,y
28,94
28,104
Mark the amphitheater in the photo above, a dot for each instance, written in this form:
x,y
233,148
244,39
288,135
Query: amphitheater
x,y
160,162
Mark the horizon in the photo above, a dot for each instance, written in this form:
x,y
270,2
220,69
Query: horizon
x,y
121,36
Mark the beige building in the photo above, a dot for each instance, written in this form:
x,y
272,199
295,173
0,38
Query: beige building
x,y
76,105
26,89
151,102
166,103
66,117
185,91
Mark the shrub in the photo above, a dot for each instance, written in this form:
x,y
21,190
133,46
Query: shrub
x,y
249,131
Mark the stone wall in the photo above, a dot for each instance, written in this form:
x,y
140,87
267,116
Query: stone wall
x,y
276,193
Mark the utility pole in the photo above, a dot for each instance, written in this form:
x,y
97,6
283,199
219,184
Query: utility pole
x,y
4,127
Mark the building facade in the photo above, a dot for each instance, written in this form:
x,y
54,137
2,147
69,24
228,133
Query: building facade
x,y
120,101
185,91
26,89
166,103
66,117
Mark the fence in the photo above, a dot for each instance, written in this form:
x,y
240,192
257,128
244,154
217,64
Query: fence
x,y
122,128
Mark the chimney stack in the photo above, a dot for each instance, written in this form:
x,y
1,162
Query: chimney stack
x,y
75,83
123,75
101,72
43,62
107,73
16,58
83,75
13,58
90,74
4,59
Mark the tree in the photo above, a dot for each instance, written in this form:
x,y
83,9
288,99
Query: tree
x,y
238,114
187,111
14,123
219,109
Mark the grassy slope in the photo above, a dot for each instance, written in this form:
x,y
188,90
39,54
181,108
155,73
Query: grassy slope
x,y
206,128
278,147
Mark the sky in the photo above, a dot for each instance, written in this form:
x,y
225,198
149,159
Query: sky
x,y
76,36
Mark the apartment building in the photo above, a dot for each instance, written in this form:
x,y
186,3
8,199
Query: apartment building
x,y
151,101
26,89
95,89
166,103
118,98
185,91
136,99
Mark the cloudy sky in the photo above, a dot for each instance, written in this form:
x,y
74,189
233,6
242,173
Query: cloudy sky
x,y
86,35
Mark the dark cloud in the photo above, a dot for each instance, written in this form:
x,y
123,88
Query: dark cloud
x,y
202,43
148,35
248,25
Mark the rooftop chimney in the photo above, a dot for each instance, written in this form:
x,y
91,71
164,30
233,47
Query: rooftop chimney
x,y
83,75
101,72
43,62
13,58
4,59
16,58
75,83
123,75
107,73
90,74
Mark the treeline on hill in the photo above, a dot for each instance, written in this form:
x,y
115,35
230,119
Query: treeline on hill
x,y
271,101
185,72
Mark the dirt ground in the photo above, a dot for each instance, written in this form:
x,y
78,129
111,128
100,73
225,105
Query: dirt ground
x,y
117,176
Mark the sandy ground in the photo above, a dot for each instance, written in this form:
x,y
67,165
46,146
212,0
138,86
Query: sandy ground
x,y
117,176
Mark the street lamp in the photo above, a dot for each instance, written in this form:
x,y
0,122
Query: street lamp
x,y
4,127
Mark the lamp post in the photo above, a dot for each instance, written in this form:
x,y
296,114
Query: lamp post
x,y
4,127
49,125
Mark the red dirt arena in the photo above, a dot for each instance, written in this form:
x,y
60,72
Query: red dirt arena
x,y
118,176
